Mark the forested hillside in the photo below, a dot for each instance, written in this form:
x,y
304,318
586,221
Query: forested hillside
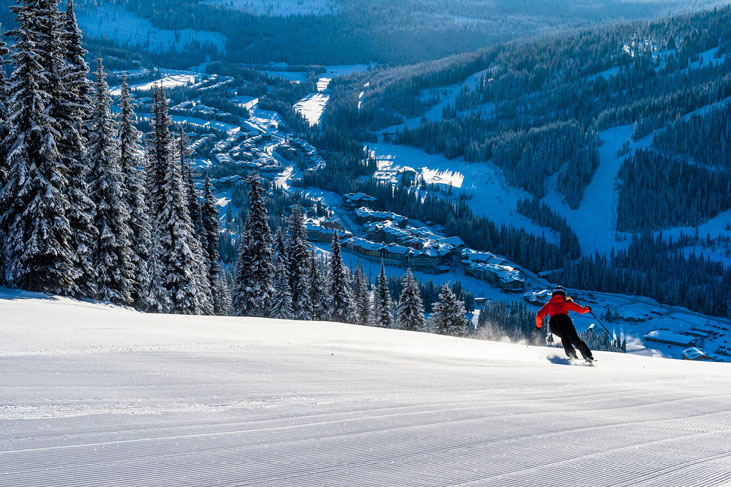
x,y
355,31
540,111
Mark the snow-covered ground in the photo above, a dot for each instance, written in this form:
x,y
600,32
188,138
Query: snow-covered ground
x,y
118,24
95,395
172,80
312,106
484,183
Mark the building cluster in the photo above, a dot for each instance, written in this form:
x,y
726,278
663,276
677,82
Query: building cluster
x,y
241,148
491,268
195,108
388,237
299,148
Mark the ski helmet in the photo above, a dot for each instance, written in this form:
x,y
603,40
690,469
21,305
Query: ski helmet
x,y
558,290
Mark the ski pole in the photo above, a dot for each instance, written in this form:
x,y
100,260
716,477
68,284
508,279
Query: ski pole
x,y
602,325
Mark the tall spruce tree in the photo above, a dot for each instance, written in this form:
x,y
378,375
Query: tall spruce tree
x,y
383,305
196,217
179,263
410,315
4,130
281,304
362,295
448,317
209,238
72,113
222,295
297,252
132,162
340,299
319,307
161,153
253,288
194,205
33,203
161,300
113,251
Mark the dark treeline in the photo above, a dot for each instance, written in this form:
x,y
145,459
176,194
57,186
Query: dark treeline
x,y
655,267
705,138
660,192
543,215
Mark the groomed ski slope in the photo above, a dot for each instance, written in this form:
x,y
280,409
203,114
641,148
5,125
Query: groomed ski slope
x,y
92,395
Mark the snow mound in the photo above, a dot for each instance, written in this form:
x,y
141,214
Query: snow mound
x,y
92,394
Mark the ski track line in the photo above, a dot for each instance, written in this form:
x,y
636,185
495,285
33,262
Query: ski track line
x,y
676,468
461,445
370,418
723,455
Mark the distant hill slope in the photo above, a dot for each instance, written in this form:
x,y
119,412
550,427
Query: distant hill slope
x,y
93,394
614,128
382,31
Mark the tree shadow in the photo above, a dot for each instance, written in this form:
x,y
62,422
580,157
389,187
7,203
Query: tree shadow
x,y
9,294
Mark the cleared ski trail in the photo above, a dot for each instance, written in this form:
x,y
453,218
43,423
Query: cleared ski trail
x,y
97,396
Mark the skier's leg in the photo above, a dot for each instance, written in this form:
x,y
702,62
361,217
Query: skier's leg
x,y
579,343
559,328
568,347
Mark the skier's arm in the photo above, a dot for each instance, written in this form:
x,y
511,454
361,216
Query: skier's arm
x,y
577,307
539,317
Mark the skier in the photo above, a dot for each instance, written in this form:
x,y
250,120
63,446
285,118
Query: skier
x,y
558,308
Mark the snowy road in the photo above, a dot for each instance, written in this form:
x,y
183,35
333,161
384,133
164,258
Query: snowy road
x,y
92,395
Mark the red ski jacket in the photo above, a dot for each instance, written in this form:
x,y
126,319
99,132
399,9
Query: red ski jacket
x,y
559,305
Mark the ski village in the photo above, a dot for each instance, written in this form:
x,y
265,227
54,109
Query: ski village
x,y
235,258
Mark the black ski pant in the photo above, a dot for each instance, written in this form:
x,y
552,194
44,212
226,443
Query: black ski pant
x,y
563,327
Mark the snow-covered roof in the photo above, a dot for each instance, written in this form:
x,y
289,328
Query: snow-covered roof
x,y
365,212
365,244
694,353
665,336
355,197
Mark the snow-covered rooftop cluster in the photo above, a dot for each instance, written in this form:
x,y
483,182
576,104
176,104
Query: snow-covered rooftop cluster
x,y
365,214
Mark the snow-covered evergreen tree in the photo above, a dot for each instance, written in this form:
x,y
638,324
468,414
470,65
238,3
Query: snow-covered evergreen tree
x,y
132,163
161,153
64,114
382,302
362,295
72,113
297,252
340,299
33,203
280,248
180,257
319,307
210,247
161,300
197,244
410,314
4,130
281,307
253,288
222,295
448,317
113,251
194,205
